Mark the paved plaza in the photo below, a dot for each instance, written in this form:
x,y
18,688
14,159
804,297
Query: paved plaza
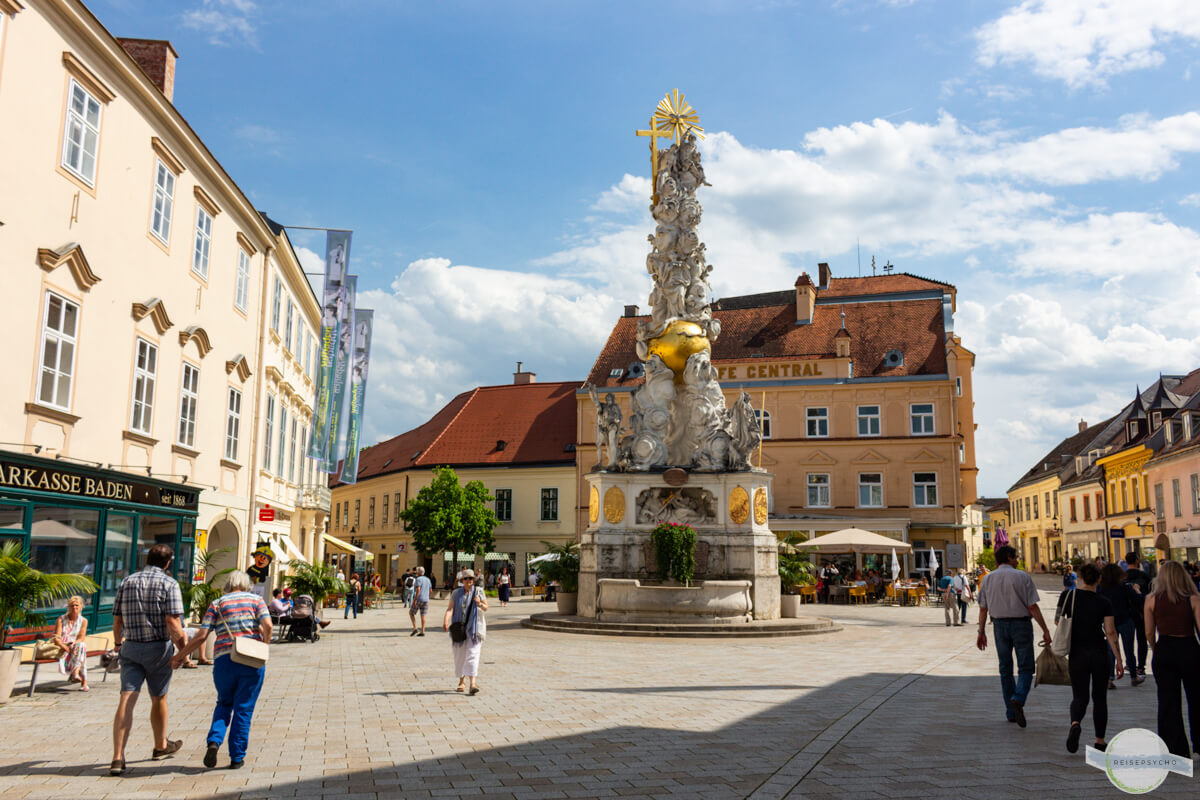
x,y
894,705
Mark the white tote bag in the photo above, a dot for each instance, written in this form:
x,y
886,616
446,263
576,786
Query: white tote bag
x,y
1061,644
246,650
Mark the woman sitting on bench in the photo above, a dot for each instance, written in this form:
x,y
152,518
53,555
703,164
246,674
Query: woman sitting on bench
x,y
69,634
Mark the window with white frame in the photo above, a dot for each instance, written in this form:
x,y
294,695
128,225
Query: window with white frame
x,y
1195,479
81,133
504,505
287,328
292,451
925,489
281,461
817,422
233,423
549,505
268,430
869,421
189,393
241,291
764,421
60,322
164,201
203,242
818,490
276,303
870,489
921,415
145,370
383,516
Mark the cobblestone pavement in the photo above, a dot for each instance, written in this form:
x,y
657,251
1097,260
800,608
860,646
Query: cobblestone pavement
x,y
895,705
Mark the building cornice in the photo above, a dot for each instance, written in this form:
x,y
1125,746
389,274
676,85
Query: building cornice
x,y
157,312
71,255
198,335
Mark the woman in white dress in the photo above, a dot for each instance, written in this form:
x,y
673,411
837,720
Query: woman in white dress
x,y
69,633
467,604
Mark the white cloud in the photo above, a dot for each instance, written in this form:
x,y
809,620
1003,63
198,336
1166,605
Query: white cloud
x,y
224,21
1084,42
1192,199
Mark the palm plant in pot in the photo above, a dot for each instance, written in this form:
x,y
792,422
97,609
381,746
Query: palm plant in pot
x,y
22,590
318,581
563,568
795,571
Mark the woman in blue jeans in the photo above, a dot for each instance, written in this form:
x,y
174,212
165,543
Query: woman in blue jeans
x,y
238,612
1118,592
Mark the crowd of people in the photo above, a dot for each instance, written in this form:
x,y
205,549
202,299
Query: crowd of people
x,y
1118,615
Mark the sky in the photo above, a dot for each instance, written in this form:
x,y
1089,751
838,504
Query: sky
x,y
1041,156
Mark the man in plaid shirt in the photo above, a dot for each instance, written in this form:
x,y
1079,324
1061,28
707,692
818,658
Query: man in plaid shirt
x,y
147,628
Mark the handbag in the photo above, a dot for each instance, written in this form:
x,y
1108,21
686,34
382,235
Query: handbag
x,y
247,651
1051,669
48,650
1061,644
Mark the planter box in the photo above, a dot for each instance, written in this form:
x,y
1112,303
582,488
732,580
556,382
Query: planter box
x,y
567,603
789,605
10,661
628,600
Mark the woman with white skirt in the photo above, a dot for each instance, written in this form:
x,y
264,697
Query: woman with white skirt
x,y
467,626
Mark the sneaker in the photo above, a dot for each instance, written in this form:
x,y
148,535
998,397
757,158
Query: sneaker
x,y
237,764
1073,738
210,755
1018,709
171,749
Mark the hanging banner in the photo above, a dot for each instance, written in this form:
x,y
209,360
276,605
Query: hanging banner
x,y
363,322
341,372
337,256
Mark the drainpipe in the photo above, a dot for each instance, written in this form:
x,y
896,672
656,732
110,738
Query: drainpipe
x,y
258,393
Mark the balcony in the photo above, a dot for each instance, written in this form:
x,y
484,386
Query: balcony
x,y
313,496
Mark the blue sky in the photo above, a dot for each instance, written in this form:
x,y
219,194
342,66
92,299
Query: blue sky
x,y
1041,156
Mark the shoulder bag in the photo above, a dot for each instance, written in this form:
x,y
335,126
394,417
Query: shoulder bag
x,y
1061,644
48,650
246,650
481,628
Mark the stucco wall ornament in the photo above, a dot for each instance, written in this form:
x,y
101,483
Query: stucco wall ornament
x,y
689,506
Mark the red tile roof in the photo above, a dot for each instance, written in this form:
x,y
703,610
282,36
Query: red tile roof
x,y
881,284
915,327
535,421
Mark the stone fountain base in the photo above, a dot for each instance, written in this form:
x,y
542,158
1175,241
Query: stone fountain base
x,y
737,573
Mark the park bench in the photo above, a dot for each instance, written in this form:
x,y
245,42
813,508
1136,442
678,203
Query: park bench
x,y
26,638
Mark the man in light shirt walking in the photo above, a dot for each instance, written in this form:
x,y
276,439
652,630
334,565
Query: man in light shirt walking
x,y
1008,594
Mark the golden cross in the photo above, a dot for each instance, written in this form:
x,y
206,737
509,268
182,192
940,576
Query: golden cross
x,y
654,134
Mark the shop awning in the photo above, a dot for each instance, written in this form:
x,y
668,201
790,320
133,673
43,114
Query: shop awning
x,y
345,546
285,549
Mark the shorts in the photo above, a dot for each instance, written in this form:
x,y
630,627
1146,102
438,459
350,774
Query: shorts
x,y
146,662
419,606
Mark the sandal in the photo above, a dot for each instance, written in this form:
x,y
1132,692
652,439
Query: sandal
x,y
189,665
117,767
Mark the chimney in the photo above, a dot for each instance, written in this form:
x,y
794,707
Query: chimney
x,y
631,311
824,274
806,299
521,376
156,57
1082,426
842,339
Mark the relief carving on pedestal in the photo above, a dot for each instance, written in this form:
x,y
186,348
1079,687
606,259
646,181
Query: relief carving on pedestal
x,y
687,506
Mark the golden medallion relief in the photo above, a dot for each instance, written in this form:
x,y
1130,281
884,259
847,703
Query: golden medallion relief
x,y
739,505
594,505
760,506
614,505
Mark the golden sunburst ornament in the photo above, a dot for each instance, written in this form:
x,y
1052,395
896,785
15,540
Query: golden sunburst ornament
x,y
676,117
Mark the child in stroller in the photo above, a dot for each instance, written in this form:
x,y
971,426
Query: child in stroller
x,y
305,626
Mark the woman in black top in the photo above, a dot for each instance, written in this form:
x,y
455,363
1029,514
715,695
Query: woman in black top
x,y
1115,589
1093,636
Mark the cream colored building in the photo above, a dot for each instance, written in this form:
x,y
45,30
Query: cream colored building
x,y
865,394
134,330
518,440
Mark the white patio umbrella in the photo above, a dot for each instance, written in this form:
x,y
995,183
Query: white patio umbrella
x,y
933,564
854,540
895,565
544,557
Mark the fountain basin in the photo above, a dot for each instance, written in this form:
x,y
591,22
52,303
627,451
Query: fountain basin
x,y
629,600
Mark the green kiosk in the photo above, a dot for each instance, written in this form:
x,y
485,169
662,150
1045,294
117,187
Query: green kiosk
x,y
96,522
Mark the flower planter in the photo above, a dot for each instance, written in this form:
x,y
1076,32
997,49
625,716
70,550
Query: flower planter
x,y
10,662
567,603
789,605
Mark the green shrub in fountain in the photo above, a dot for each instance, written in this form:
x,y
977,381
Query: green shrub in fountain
x,y
675,550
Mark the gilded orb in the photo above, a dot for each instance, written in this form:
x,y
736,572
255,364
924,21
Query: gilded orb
x,y
679,342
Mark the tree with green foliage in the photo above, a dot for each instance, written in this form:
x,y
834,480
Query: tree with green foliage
x,y
675,551
447,516
986,559
23,589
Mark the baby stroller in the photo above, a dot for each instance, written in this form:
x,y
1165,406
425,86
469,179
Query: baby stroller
x,y
304,625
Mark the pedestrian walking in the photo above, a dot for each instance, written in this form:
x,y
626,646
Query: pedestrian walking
x,y
1116,590
464,618
1093,648
1011,599
238,612
352,596
963,593
146,621
409,583
504,584
420,604
949,599
1172,620
1140,582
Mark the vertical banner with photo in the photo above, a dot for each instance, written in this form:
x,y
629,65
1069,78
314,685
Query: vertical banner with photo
x,y
363,322
337,256
341,371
